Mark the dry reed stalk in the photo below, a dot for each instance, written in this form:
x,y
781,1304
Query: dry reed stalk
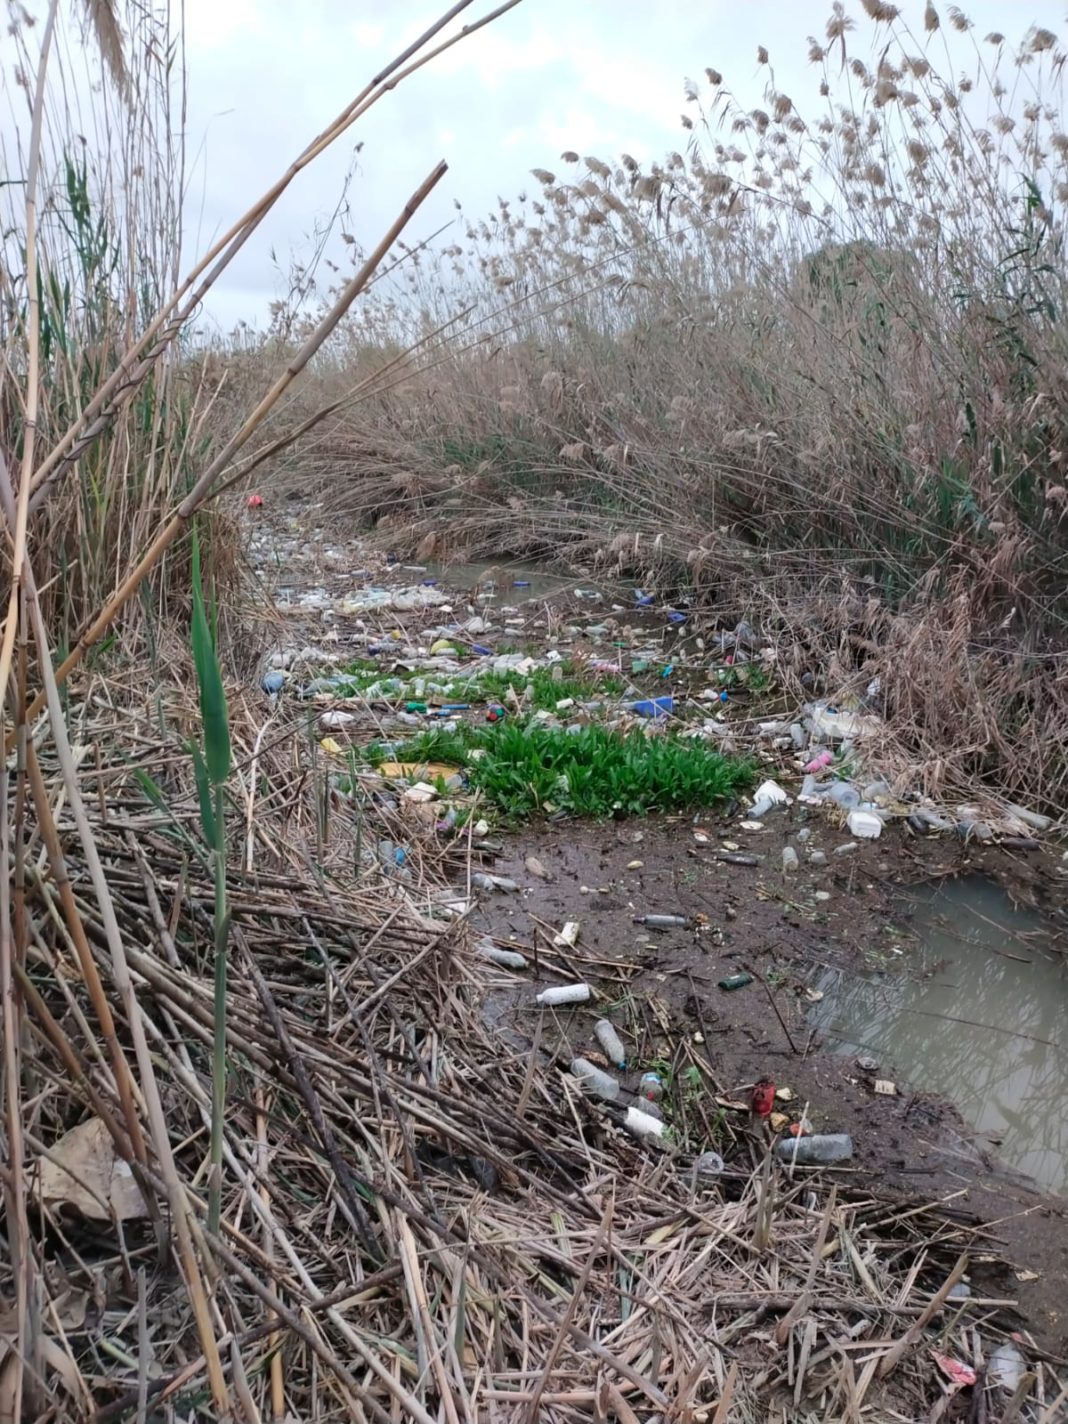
x,y
204,487
173,315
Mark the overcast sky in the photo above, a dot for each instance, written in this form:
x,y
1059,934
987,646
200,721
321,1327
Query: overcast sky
x,y
599,76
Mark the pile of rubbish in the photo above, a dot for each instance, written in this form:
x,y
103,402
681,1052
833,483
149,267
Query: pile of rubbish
x,y
394,660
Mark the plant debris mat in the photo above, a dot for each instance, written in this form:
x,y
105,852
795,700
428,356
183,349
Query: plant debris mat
x,y
419,1221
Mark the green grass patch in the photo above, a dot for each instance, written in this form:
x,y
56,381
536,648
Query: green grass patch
x,y
524,769
480,686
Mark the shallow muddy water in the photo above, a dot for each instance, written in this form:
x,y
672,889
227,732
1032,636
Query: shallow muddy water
x,y
978,1011
513,580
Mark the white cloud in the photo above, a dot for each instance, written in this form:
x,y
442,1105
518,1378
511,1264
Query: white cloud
x,y
598,76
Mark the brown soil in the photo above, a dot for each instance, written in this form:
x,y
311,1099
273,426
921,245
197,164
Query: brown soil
x,y
913,1144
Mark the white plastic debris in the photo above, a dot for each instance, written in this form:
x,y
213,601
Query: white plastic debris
x,y
420,792
643,1124
333,720
865,824
1006,1366
568,936
771,791
565,994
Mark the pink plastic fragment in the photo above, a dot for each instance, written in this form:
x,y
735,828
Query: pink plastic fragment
x,y
955,1370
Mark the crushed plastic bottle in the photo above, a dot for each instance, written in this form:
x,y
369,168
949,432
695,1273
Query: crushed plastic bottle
x,y
611,1042
817,1151
595,1080
481,881
651,1087
789,860
843,794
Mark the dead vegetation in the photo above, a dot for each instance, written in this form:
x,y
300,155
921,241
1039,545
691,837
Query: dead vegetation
x,y
813,360
416,1222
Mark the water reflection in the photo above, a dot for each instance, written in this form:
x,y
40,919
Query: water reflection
x,y
988,1028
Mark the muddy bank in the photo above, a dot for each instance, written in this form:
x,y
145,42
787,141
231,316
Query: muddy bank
x,y
661,989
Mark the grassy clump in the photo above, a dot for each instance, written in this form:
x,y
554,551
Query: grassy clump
x,y
526,769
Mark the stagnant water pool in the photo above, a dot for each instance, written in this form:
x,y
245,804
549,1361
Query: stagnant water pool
x,y
977,1011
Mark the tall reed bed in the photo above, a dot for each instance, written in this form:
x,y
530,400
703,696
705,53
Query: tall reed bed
x,y
813,362
107,456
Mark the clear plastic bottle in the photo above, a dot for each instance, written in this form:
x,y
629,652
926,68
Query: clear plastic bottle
x,y
818,1151
507,958
708,1167
789,860
844,795
611,1042
595,1080
651,1087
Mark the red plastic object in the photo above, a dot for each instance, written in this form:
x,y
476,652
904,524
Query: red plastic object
x,y
960,1373
254,501
763,1099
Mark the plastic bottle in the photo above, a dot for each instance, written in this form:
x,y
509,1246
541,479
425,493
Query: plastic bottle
x,y
789,860
565,994
273,682
708,1167
643,1124
661,922
507,958
843,794
611,1042
482,881
797,735
769,794
595,1080
651,1086
818,857
817,1151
